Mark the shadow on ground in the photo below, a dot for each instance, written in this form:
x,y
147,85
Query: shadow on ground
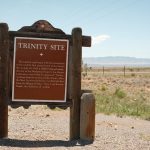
x,y
47,143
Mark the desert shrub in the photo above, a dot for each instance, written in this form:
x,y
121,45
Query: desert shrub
x,y
103,87
131,69
84,74
133,74
119,93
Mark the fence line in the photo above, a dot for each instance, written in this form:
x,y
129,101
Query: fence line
x,y
124,70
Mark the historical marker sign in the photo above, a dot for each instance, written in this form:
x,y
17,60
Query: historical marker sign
x,y
40,70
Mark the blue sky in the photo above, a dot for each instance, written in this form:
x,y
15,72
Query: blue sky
x,y
117,27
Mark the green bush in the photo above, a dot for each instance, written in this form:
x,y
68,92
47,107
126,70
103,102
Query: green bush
x,y
133,74
120,93
103,88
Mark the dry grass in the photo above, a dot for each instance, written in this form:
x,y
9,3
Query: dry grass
x,y
119,94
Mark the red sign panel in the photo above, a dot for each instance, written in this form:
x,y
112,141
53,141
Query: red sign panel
x,y
40,70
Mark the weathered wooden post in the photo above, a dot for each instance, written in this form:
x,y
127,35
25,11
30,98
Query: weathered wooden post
x,y
124,70
76,83
4,58
103,70
87,117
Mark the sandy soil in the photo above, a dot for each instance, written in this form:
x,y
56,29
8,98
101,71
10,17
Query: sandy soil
x,y
41,128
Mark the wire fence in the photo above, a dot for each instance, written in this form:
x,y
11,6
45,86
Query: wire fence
x,y
124,70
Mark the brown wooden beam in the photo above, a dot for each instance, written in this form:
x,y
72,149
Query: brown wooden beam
x,y
76,83
86,40
17,104
4,58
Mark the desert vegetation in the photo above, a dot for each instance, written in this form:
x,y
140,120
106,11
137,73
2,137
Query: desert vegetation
x,y
121,91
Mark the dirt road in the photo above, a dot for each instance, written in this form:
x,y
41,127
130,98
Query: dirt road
x,y
41,128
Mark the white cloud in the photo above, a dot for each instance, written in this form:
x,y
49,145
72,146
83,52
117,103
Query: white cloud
x,y
99,39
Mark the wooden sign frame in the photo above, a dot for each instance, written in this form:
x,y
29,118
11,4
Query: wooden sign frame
x,y
42,29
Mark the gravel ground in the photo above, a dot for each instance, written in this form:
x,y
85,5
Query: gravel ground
x,y
41,128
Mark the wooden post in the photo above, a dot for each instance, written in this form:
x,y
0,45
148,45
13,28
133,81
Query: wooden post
x,y
124,70
103,70
87,117
4,58
76,83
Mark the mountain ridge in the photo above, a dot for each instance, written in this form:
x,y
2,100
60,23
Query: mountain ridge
x,y
116,61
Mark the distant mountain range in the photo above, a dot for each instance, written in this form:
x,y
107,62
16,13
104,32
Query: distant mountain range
x,y
116,61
